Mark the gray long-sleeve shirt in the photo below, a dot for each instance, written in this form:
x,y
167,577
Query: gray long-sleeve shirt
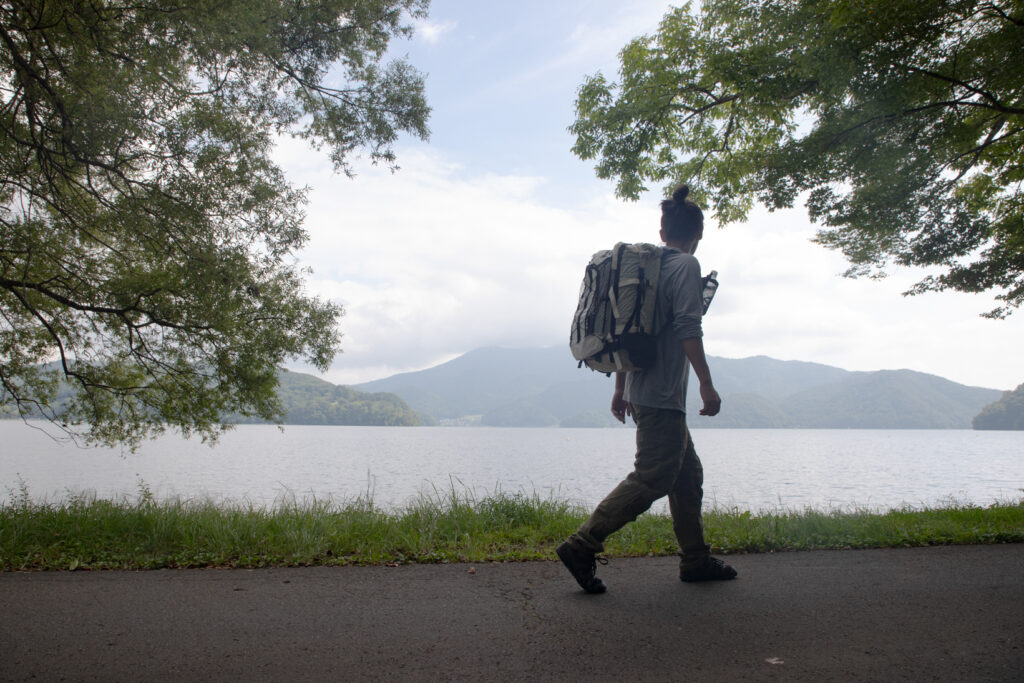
x,y
677,315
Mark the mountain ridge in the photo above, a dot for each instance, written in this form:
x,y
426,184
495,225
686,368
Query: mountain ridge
x,y
543,387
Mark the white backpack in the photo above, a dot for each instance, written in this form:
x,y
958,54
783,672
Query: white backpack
x,y
613,329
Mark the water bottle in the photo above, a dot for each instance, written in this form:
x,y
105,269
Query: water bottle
x,y
710,287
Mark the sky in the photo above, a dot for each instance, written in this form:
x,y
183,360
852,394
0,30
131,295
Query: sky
x,y
481,237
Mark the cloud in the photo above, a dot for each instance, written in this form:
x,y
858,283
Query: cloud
x,y
431,262
432,32
436,260
783,296
558,67
481,238
599,40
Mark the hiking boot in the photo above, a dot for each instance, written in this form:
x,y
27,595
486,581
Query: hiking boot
x,y
709,569
582,565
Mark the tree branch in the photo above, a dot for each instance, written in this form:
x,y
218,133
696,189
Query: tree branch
x,y
995,103
998,11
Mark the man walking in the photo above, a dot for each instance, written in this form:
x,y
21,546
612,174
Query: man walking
x,y
666,462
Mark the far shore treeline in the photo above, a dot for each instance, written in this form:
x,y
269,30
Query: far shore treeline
x,y
1006,413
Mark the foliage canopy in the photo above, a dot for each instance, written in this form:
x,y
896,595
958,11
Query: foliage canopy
x,y
147,238
900,121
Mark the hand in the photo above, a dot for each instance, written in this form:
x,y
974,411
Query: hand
x,y
620,408
712,401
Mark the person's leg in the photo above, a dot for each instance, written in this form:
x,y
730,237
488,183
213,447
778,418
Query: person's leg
x,y
659,448
684,501
685,504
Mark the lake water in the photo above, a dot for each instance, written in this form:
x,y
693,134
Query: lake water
x,y
752,469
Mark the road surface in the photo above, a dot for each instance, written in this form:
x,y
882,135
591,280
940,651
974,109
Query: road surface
x,y
924,614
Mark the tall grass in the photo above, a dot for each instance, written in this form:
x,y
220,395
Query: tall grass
x,y
84,532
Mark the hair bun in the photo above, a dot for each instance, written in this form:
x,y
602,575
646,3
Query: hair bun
x,y
680,194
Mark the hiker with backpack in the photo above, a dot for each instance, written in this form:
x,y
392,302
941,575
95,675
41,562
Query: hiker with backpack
x,y
650,387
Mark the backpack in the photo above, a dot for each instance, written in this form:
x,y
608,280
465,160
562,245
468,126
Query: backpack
x,y
613,328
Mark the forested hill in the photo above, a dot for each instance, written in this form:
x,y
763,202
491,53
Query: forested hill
x,y
543,387
309,400
1006,413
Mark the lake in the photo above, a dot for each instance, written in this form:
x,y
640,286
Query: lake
x,y
750,469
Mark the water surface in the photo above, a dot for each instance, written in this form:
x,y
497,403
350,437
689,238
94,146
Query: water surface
x,y
751,469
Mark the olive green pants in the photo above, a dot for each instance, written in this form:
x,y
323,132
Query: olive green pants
x,y
666,465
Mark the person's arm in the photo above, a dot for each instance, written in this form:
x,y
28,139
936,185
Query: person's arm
x,y
620,408
694,349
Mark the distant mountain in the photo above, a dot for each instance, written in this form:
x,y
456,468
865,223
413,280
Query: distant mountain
x,y
543,387
481,381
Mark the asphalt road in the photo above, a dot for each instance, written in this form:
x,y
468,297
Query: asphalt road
x,y
927,614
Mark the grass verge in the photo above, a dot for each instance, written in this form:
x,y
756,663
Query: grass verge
x,y
88,533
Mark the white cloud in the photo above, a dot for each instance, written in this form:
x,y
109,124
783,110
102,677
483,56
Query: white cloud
x,y
431,262
456,251
434,261
600,41
593,44
432,32
783,296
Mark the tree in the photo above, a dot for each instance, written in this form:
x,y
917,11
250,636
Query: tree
x,y
147,238
901,123
1006,413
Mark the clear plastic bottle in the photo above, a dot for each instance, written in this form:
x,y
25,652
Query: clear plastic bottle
x,y
710,287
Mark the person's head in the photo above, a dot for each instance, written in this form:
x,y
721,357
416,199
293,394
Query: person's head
x,y
682,221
